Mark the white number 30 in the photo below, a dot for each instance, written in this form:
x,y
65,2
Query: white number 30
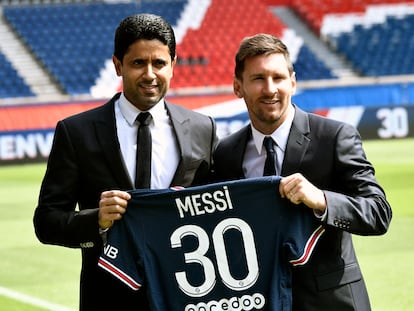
x,y
394,122
198,256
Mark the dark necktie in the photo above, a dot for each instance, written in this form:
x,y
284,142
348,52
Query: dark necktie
x,y
270,163
143,156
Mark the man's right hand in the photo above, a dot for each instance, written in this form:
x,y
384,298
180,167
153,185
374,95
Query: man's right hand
x,y
112,206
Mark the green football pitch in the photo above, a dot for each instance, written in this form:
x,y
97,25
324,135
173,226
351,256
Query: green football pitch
x,y
43,277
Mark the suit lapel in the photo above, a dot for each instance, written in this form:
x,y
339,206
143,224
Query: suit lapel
x,y
181,126
297,144
238,149
107,137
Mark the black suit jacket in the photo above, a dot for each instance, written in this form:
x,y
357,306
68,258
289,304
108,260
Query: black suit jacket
x,y
86,160
330,155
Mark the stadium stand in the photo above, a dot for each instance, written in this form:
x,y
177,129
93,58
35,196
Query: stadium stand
x,y
389,46
214,44
309,67
374,36
313,12
12,85
72,40
380,48
352,60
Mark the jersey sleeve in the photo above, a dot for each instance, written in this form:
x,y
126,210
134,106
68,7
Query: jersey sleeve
x,y
303,232
120,256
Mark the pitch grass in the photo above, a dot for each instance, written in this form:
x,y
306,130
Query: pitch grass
x,y
51,273
387,260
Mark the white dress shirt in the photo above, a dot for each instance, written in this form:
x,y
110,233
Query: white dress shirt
x,y
165,152
255,155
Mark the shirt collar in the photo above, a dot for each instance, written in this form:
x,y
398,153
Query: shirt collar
x,y
280,135
130,112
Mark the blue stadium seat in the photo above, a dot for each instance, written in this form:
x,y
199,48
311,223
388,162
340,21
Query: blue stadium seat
x,y
382,49
309,67
74,40
12,85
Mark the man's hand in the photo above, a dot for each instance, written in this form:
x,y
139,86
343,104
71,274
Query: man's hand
x,y
112,206
297,189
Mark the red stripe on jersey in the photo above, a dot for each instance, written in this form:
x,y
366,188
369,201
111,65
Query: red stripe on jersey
x,y
119,274
177,188
310,245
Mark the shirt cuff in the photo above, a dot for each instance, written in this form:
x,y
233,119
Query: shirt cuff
x,y
103,233
321,217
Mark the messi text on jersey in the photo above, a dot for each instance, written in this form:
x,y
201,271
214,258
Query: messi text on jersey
x,y
206,202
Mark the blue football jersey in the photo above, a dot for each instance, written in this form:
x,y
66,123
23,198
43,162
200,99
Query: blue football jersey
x,y
223,246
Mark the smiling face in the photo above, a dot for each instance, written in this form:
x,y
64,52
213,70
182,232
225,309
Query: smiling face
x,y
267,88
146,72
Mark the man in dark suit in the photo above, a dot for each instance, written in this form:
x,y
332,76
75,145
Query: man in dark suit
x,y
93,157
323,166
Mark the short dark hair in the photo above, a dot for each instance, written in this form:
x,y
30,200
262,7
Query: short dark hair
x,y
143,26
258,45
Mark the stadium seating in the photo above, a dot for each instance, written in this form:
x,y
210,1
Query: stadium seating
x,y
314,11
377,42
308,67
216,41
12,85
382,49
74,40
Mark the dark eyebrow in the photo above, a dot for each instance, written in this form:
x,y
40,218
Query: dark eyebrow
x,y
256,75
161,60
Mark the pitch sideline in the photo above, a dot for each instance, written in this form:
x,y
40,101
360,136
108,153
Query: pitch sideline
x,y
32,300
